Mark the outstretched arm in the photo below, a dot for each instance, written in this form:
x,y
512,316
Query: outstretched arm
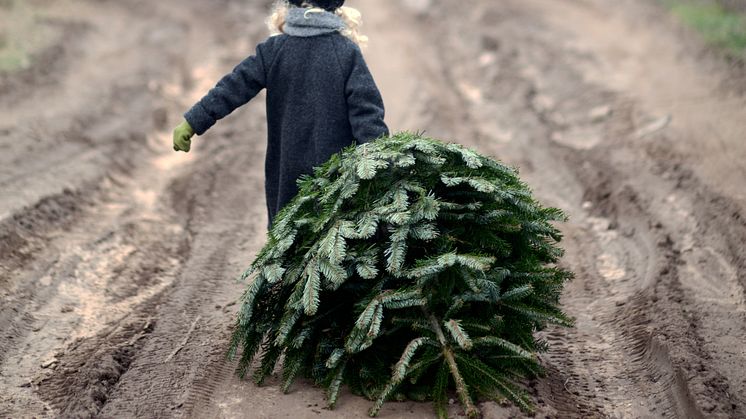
x,y
232,91
366,111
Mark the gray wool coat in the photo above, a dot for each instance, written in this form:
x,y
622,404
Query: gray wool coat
x,y
321,98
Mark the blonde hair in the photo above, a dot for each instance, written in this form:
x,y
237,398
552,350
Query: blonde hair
x,y
352,18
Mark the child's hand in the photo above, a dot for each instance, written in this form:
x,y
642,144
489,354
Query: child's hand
x,y
183,137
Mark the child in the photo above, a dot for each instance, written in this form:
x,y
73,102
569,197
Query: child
x,y
320,95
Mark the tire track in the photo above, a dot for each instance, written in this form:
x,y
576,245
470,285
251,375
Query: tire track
x,y
220,224
640,309
170,371
105,253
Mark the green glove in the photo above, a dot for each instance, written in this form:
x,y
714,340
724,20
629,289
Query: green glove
x,y
183,137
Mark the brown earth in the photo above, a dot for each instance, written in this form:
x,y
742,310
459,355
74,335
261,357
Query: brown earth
x,y
117,255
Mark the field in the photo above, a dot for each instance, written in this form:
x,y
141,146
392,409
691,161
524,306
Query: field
x,y
118,257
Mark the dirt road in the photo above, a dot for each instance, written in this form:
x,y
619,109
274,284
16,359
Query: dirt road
x,y
117,255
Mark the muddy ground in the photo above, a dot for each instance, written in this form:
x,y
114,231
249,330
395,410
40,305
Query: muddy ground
x,y
118,256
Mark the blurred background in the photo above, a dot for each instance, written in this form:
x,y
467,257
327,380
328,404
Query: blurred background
x,y
118,255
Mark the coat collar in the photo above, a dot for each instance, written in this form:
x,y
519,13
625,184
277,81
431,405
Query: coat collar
x,y
300,22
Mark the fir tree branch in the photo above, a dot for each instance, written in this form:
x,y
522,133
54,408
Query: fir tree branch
x,y
461,388
450,239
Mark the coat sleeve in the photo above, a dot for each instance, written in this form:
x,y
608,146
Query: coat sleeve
x,y
364,102
234,90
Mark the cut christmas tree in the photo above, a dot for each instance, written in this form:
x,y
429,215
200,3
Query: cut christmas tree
x,y
405,268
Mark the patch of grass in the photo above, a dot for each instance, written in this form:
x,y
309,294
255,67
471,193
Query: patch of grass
x,y
22,34
718,26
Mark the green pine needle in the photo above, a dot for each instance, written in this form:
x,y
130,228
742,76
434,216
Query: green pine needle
x,y
405,267
458,334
